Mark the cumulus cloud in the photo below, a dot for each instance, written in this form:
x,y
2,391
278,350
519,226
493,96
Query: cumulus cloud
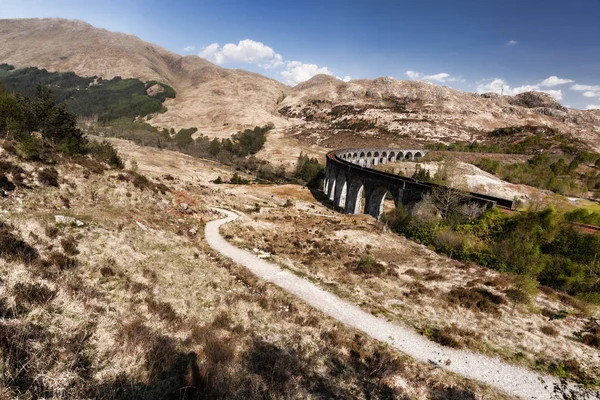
x,y
441,77
498,85
511,43
246,51
253,52
346,78
554,81
582,88
188,49
591,94
592,107
296,72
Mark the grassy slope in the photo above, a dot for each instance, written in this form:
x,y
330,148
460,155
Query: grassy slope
x,y
147,310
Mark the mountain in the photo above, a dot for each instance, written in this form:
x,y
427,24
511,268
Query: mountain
x,y
327,111
388,108
208,96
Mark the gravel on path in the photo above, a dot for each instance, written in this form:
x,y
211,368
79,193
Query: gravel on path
x,y
512,379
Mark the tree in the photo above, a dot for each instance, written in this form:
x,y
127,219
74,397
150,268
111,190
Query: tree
x,y
215,147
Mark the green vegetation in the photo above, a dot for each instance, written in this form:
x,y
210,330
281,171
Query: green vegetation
x,y
308,171
546,172
534,245
39,129
527,139
89,97
237,151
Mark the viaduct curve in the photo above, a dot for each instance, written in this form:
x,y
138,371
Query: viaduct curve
x,y
348,175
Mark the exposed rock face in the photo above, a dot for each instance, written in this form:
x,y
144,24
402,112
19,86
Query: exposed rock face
x,y
426,111
155,90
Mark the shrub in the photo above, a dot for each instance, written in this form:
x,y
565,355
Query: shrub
x,y
5,184
164,310
475,299
30,148
32,293
442,336
13,248
549,330
238,180
218,181
48,177
61,261
51,231
106,153
368,266
69,246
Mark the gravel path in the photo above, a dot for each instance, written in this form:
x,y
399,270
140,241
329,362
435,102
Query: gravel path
x,y
492,371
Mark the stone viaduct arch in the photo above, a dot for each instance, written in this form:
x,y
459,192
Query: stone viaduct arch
x,y
348,175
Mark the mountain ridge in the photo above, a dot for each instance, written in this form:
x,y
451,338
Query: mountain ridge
x,y
219,101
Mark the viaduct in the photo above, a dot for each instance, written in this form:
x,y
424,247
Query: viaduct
x,y
348,175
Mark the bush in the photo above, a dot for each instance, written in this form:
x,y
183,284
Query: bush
x,y
32,293
368,266
48,177
549,330
106,153
30,148
61,261
475,299
13,248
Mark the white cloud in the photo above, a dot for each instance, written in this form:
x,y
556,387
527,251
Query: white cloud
x,y
554,81
246,51
592,107
253,52
296,72
581,88
346,78
496,85
511,43
188,49
591,94
441,77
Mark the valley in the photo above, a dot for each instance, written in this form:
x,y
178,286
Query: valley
x,y
119,280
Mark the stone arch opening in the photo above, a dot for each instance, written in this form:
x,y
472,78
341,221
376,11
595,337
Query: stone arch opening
x,y
354,197
341,190
408,155
380,200
399,156
418,155
331,190
392,156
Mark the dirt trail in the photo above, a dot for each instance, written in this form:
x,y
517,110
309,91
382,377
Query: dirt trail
x,y
494,372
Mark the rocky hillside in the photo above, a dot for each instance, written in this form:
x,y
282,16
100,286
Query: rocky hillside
x,y
208,96
389,108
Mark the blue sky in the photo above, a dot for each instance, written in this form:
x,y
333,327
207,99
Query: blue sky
x,y
474,45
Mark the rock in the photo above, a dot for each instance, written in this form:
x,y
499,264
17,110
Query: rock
x,y
184,206
62,219
142,226
154,90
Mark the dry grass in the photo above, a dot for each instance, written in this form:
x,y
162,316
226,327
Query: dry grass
x,y
128,310
461,305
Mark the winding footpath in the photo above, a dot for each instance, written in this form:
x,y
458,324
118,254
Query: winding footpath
x,y
514,380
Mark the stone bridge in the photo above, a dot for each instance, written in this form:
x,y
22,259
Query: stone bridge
x,y
348,175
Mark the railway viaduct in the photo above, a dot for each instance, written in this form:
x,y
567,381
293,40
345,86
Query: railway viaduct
x,y
348,175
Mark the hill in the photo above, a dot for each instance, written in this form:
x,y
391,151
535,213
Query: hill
x,y
386,109
323,111
208,96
